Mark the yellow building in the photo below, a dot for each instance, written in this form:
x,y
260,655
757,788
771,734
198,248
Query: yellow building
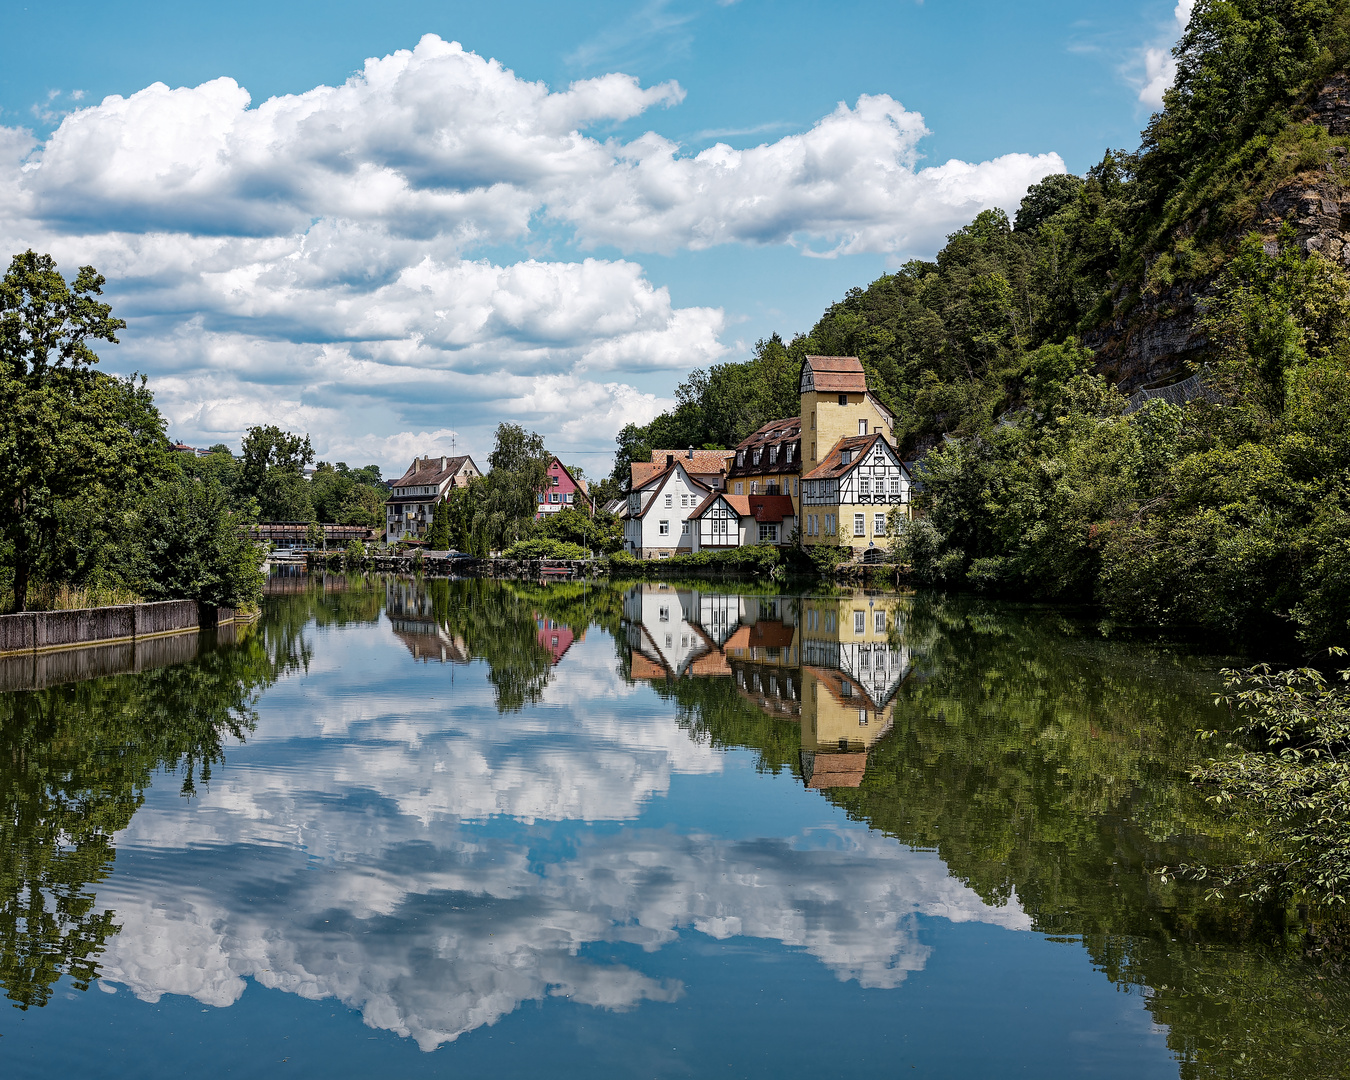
x,y
847,499
835,404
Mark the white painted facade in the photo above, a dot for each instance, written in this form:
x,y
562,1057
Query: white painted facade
x,y
658,524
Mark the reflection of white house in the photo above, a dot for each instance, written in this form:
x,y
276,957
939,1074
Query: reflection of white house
x,y
657,525
412,616
663,628
719,614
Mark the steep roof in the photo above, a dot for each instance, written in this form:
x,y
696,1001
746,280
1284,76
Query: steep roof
x,y
428,472
779,433
662,476
837,374
763,508
834,466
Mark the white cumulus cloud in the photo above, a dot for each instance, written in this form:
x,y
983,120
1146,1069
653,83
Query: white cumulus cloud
x,y
318,259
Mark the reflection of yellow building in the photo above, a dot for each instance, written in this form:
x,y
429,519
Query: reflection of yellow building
x,y
832,663
853,661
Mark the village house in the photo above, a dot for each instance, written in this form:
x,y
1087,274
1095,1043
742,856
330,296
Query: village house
x,y
413,497
656,523
848,498
708,467
561,490
727,521
769,461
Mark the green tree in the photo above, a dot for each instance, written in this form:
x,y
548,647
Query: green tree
x,y
438,539
67,434
272,471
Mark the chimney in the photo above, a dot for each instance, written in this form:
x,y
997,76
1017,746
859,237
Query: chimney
x,y
690,454
443,458
670,460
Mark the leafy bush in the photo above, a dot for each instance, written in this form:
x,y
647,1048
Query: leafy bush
x,y
541,547
1294,793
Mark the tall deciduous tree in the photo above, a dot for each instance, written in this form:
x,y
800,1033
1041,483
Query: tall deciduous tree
x,y
55,444
273,472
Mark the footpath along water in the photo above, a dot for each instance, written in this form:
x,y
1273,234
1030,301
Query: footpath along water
x,y
428,828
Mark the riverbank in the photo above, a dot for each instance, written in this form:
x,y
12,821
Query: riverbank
x,y
34,632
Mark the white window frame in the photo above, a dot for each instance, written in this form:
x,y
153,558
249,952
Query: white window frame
x,y
768,531
663,528
862,427
670,500
879,622
878,524
859,524
860,622
740,488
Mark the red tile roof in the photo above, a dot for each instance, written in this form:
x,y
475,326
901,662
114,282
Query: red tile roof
x,y
838,770
661,477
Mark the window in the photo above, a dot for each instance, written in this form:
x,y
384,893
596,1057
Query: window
x,y
862,717
569,497
773,455
555,481
895,485
859,524
860,622
880,622
768,532
829,524
792,484
864,486
669,500
756,455
684,528
665,555
862,427
664,614
740,488
541,496
754,487
684,501
843,399
553,497
878,524
740,457
845,456
663,528
791,447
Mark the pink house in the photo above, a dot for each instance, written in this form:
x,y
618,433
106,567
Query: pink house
x,y
561,489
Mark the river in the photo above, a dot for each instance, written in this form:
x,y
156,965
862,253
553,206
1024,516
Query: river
x,y
413,828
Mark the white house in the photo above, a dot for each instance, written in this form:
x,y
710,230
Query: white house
x,y
848,498
657,525
413,497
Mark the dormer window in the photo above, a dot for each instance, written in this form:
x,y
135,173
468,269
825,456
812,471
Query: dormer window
x,y
845,456
789,452
757,455
740,457
773,455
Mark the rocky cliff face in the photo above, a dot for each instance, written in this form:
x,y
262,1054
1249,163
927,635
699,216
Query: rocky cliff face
x,y
1158,340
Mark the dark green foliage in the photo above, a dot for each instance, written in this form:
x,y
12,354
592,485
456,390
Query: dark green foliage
x,y
1294,792
272,472
602,533
438,539
542,547
194,546
345,496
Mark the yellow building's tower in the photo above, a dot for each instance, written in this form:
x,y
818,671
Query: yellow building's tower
x,y
836,404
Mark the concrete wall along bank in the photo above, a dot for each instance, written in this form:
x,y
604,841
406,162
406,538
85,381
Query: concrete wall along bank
x,y
36,631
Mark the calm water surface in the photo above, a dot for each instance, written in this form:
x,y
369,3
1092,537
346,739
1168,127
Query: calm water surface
x,y
406,828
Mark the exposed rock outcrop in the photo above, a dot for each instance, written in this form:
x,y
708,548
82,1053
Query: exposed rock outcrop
x,y
1158,339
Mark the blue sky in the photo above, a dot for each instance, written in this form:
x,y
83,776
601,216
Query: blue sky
x,y
432,251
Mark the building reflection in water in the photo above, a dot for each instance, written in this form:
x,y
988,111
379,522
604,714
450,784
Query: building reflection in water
x,y
831,664
411,612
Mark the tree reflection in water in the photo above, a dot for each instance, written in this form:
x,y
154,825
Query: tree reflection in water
x,y
1041,763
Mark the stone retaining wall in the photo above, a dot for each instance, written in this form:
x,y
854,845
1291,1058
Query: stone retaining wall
x,y
38,631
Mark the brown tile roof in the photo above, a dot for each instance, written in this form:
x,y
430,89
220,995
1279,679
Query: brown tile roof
x,y
704,462
425,472
779,433
642,667
763,508
660,476
834,466
761,635
837,374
